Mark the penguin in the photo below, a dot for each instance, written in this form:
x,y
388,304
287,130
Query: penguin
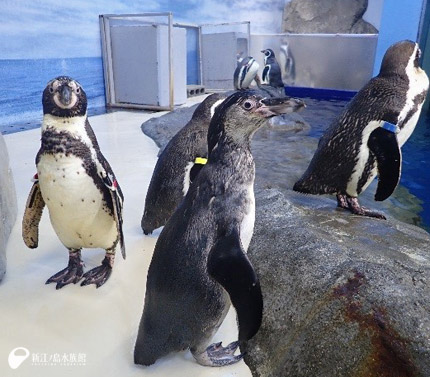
x,y
365,140
272,71
199,263
178,164
77,184
245,72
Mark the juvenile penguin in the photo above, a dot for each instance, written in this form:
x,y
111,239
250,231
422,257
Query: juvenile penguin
x,y
77,185
178,164
272,71
365,140
199,263
245,72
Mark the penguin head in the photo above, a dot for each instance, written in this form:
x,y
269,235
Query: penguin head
x,y
64,97
400,58
243,112
268,53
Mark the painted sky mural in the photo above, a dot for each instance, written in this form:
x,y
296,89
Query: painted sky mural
x,y
34,29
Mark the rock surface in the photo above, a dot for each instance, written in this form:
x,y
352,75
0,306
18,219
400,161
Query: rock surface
x,y
8,206
343,295
326,16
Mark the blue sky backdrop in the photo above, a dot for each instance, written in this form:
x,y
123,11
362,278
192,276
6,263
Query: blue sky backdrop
x,y
32,29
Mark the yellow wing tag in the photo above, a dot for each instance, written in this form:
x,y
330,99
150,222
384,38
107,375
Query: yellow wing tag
x,y
201,160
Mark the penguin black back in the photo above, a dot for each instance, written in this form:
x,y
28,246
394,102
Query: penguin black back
x,y
175,165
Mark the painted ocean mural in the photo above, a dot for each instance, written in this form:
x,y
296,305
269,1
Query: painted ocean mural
x,y
25,80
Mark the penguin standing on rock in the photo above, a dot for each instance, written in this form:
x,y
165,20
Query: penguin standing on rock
x,y
272,74
199,263
77,185
179,163
365,140
245,72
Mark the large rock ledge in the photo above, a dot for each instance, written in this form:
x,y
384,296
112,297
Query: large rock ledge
x,y
343,295
8,206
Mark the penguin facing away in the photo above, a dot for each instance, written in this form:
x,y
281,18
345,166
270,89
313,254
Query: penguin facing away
x,y
245,72
199,263
76,183
178,165
272,74
365,140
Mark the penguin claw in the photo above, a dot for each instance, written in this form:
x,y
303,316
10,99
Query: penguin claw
x,y
216,355
71,274
98,276
351,204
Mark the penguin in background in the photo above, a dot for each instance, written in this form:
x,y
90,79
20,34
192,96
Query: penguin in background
x,y
199,263
77,184
178,164
272,74
245,72
365,140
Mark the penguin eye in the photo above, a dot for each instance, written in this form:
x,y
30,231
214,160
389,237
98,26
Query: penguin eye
x,y
78,90
248,105
51,89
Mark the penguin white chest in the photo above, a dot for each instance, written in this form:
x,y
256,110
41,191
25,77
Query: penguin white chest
x,y
76,208
247,225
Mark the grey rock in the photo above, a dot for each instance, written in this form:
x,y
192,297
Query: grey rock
x,y
326,16
162,129
8,205
343,295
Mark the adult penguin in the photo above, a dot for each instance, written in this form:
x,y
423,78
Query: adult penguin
x,y
178,165
272,74
199,263
77,184
365,140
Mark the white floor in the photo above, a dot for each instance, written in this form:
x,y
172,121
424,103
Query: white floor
x,y
84,331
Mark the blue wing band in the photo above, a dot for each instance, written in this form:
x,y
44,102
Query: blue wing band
x,y
390,127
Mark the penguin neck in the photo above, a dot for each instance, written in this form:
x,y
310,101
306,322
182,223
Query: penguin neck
x,y
73,126
229,148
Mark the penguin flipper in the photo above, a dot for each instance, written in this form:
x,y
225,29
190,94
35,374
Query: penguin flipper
x,y
229,266
32,215
383,143
265,74
117,204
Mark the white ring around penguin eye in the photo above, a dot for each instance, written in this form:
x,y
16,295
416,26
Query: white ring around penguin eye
x,y
248,105
51,89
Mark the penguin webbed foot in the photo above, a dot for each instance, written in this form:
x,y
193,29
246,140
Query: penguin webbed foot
x,y
217,356
71,274
99,275
352,204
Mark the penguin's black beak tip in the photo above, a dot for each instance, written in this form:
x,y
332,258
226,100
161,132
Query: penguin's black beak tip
x,y
66,95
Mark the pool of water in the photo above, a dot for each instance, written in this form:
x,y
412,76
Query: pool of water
x,y
415,177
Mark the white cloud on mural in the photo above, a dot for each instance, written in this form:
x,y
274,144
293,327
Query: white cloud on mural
x,y
50,28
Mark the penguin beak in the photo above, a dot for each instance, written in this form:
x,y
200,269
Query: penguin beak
x,y
66,95
276,106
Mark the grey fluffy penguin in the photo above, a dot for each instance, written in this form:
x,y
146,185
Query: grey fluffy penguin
x,y
199,265
76,183
177,165
365,140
